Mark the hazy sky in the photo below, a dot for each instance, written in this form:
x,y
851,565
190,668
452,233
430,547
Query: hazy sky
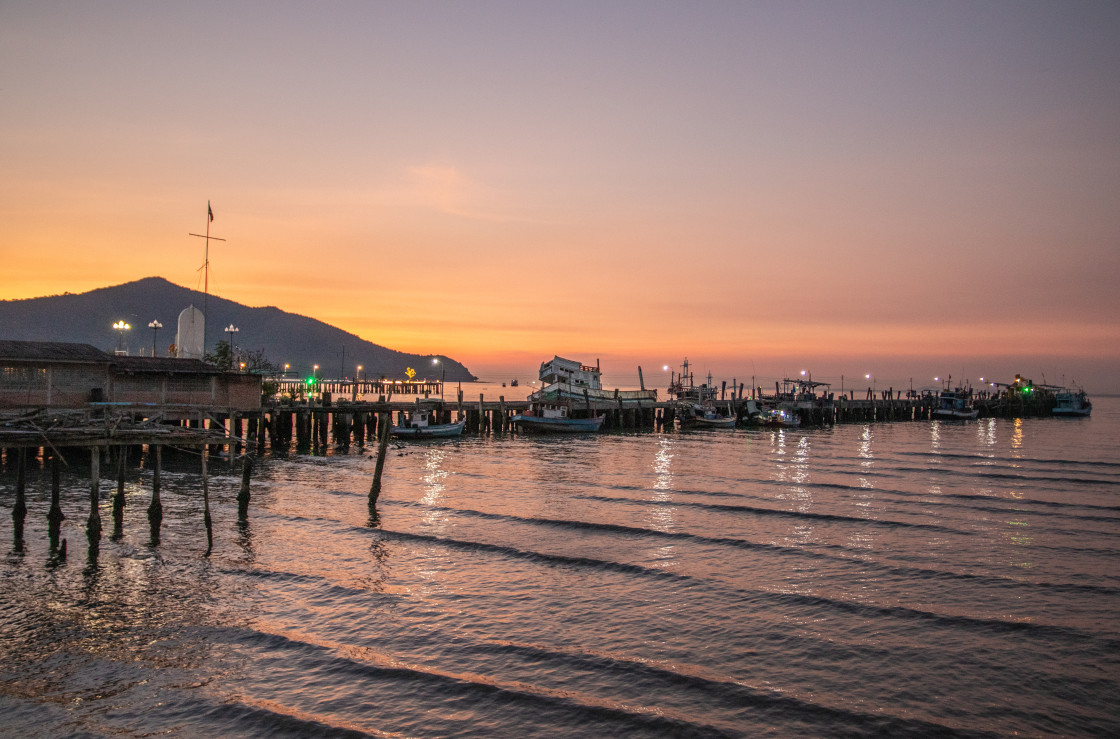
x,y
901,188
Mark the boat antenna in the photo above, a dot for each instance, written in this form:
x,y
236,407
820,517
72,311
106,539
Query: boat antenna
x,y
206,269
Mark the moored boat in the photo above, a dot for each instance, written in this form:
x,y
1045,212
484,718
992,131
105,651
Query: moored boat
x,y
699,416
555,419
1072,403
955,405
419,426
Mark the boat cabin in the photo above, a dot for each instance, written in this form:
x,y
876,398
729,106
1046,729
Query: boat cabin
x,y
566,371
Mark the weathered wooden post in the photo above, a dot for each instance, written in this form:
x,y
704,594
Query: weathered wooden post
x,y
155,508
118,497
504,423
243,494
93,525
206,506
19,510
54,515
383,429
641,380
261,428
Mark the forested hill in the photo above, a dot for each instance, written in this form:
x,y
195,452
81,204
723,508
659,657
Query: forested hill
x,y
284,338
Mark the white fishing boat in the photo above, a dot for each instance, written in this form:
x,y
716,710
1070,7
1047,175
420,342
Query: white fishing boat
x,y
546,418
568,380
419,426
1072,403
955,405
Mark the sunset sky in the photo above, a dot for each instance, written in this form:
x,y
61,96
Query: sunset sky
x,y
898,188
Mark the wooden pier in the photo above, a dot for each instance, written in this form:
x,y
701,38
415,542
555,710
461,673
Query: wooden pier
x,y
114,434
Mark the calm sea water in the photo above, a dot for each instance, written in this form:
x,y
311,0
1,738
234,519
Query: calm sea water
x,y
886,579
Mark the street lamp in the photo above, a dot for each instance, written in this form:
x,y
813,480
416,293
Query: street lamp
x,y
443,374
155,326
231,330
358,374
121,327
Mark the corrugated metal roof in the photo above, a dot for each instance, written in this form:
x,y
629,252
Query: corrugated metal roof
x,y
51,351
164,365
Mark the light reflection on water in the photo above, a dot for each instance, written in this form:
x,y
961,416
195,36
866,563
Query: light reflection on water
x,y
737,583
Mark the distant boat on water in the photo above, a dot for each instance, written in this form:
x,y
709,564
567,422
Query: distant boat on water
x,y
1072,403
955,405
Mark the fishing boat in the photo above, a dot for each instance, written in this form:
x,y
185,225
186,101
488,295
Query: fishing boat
x,y
419,426
704,417
778,418
1072,403
547,418
955,405
568,380
696,405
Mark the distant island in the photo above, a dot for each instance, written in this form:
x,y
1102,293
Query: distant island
x,y
281,337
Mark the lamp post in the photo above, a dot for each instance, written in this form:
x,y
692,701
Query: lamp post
x,y
155,326
230,331
442,376
121,327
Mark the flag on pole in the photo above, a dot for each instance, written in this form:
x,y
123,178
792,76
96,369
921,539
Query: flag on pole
x,y
209,211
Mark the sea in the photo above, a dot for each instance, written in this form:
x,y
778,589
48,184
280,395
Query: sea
x,y
885,579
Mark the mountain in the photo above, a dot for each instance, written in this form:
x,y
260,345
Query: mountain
x,y
285,338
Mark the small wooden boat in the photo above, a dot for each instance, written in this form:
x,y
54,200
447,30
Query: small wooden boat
x,y
555,420
780,418
419,426
955,405
703,417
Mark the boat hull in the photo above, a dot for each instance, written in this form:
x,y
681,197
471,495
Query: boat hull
x,y
538,424
1072,412
708,423
948,415
437,431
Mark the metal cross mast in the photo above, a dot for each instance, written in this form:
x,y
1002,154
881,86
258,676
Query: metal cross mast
x,y
206,270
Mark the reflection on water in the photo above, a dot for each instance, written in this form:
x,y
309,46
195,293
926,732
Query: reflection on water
x,y
859,580
663,464
661,515
1017,437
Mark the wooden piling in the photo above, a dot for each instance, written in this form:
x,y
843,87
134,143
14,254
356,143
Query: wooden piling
x,y
243,494
384,429
155,508
93,524
118,497
206,506
19,510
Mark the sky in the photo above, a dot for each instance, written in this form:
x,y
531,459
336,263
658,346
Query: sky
x,y
900,189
